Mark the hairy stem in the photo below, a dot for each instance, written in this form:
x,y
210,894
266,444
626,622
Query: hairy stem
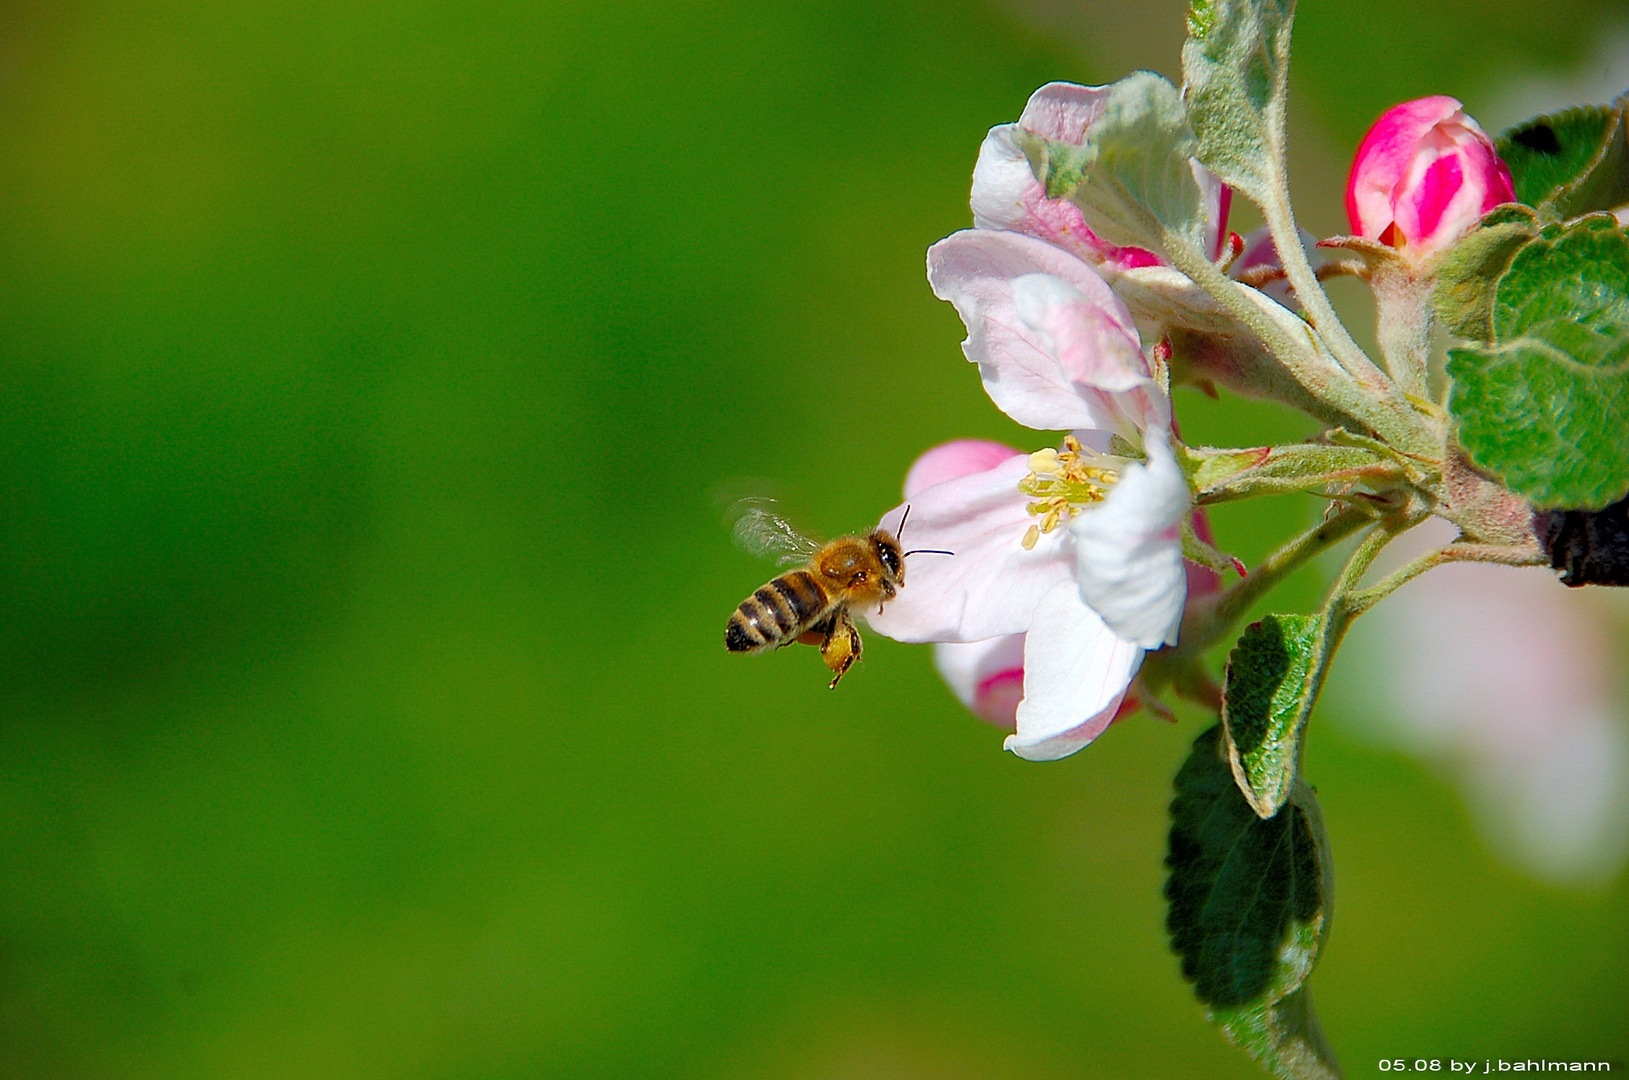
x,y
1400,424
1376,404
1361,600
1403,304
1212,619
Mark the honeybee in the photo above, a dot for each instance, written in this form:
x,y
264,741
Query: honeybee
x,y
810,604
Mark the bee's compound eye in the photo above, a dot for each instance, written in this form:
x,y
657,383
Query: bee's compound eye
x,y
889,557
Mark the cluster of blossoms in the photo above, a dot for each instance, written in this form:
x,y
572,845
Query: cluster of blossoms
x,y
1069,562
1100,272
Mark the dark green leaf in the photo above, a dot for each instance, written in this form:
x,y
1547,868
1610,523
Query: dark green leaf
x,y
1236,67
1545,406
1273,677
1249,900
1572,163
1468,272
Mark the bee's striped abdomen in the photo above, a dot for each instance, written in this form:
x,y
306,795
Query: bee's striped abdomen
x,y
777,613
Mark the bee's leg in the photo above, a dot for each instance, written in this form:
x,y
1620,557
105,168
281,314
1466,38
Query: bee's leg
x,y
841,647
818,634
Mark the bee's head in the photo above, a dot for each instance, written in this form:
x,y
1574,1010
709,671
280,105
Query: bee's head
x,y
890,555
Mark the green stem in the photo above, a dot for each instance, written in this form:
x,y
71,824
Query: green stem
x,y
1376,403
1362,557
1361,600
1299,358
1403,306
1399,424
1309,291
1211,620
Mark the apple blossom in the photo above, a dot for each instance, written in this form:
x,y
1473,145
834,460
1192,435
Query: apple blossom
x,y
1074,669
1423,175
1078,550
1060,570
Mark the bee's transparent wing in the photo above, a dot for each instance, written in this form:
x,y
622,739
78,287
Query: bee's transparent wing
x,y
760,530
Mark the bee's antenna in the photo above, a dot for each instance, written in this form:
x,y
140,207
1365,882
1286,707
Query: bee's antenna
x,y
900,535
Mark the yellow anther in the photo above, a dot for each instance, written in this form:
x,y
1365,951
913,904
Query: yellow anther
x,y
1062,481
1045,462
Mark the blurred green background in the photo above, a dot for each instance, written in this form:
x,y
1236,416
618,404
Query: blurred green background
x,y
369,374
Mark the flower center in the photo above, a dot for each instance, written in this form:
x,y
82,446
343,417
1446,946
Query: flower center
x,y
1062,481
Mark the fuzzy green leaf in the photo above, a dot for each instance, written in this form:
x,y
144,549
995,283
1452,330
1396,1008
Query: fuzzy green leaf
x,y
1248,909
1463,297
1545,406
1132,177
1273,677
1572,163
1235,65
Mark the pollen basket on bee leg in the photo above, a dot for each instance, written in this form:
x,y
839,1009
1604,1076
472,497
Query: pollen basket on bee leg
x,y
1060,482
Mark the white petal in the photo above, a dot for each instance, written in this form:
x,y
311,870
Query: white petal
x,y
1004,186
974,270
1076,671
1130,551
990,585
986,676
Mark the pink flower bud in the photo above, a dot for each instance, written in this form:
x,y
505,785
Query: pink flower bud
x,y
1423,176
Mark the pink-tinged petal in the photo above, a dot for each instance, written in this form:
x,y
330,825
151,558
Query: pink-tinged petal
x,y
950,460
1076,671
1063,111
985,676
1094,345
1436,193
990,585
974,270
1007,196
1215,200
1129,550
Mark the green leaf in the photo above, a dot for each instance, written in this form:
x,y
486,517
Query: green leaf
x,y
1235,65
1248,910
1131,177
1545,406
1572,163
1274,674
1463,297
